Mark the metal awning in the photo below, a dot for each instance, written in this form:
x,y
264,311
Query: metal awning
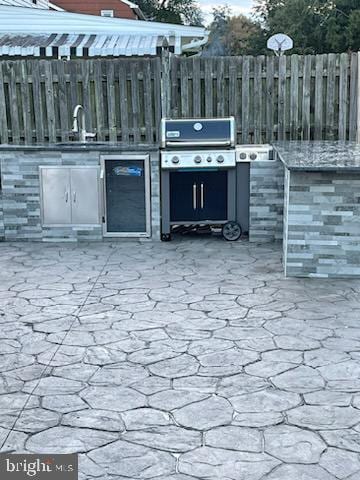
x,y
73,45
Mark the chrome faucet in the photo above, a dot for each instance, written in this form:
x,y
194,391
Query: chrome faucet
x,y
83,134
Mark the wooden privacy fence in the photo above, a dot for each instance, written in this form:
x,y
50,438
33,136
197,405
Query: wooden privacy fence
x,y
291,97
121,99
272,98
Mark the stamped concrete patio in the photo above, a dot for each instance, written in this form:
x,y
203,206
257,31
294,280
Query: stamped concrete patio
x,y
178,361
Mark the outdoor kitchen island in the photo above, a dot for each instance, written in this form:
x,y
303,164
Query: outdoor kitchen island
x,y
321,208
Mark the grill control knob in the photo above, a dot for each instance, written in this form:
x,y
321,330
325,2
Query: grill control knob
x,y
209,159
253,156
175,159
197,159
242,155
220,159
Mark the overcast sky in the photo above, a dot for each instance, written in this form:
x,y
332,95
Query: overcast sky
x,y
237,6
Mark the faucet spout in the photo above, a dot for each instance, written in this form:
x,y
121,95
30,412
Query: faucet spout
x,y
82,133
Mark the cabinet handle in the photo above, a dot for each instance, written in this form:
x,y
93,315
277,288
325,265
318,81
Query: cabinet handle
x,y
202,195
194,196
74,197
66,197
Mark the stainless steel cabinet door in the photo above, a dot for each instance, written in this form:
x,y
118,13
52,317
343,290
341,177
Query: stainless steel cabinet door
x,y
85,195
55,191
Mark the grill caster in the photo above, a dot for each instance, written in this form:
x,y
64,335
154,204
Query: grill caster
x,y
231,231
165,237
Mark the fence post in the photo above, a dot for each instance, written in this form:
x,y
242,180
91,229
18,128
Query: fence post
x,y
358,100
165,83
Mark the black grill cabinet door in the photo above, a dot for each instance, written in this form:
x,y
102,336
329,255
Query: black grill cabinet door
x,y
213,195
184,197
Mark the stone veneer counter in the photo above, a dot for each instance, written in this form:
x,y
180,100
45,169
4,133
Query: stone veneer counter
x,y
321,235
20,202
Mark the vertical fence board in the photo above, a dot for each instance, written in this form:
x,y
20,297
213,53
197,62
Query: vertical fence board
x,y
184,82
269,99
281,98
135,104
26,108
63,104
196,86
245,99
319,100
15,126
330,96
147,103
294,97
354,91
343,96
124,116
258,99
110,87
99,100
306,98
209,73
220,87
4,137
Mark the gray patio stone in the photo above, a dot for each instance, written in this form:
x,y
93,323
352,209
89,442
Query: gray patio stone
x,y
241,383
181,366
11,441
328,397
205,414
258,420
95,419
12,361
171,399
300,379
216,463
17,401
31,420
133,461
324,417
234,438
151,385
269,400
142,418
348,439
123,374
267,369
63,403
229,362
101,355
293,445
117,399
68,440
340,463
168,438
300,472
53,386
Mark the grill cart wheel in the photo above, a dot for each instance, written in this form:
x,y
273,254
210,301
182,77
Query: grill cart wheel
x,y
231,231
165,237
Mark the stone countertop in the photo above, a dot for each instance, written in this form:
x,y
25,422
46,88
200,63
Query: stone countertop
x,y
81,147
319,155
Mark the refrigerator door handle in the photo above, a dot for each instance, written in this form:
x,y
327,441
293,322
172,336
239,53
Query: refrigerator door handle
x,y
202,195
194,196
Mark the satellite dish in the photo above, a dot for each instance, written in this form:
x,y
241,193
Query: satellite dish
x,y
279,43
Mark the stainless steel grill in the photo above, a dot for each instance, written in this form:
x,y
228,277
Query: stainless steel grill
x,y
198,165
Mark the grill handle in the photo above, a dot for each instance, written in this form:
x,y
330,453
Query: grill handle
x,y
220,143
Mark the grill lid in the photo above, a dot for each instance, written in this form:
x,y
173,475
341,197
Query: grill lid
x,y
198,132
